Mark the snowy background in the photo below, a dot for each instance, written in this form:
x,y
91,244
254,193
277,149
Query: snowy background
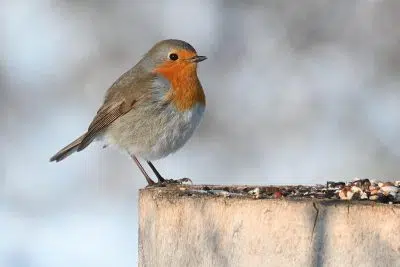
x,y
298,91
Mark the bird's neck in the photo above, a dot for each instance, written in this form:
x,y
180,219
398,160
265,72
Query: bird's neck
x,y
186,90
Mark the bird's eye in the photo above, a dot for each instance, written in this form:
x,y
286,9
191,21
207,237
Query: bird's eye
x,y
173,56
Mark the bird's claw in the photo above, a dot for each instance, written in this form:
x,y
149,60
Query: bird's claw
x,y
185,181
166,182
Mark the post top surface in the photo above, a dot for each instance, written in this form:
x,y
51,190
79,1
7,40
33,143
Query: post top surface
x,y
336,193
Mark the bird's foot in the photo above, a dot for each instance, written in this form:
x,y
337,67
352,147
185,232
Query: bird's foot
x,y
165,182
178,181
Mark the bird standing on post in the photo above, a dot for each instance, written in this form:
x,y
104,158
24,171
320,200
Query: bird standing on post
x,y
152,109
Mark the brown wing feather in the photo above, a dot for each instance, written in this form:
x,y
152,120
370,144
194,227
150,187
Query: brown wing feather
x,y
68,150
105,116
131,87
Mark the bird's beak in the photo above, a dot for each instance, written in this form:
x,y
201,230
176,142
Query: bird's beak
x,y
197,59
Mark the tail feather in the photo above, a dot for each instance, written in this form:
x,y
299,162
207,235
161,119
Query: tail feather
x,y
68,150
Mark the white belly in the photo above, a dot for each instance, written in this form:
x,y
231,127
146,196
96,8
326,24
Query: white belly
x,y
156,136
177,132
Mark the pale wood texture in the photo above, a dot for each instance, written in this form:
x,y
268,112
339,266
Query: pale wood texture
x,y
201,230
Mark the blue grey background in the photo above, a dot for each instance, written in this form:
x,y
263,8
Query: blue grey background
x,y
298,91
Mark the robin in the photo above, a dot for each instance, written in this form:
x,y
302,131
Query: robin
x,y
151,110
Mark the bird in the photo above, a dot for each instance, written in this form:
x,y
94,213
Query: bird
x,y
151,110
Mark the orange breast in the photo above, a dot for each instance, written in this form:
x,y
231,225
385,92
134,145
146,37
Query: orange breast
x,y
186,89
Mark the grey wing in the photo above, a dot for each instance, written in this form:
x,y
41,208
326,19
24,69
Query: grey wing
x,y
119,99
104,117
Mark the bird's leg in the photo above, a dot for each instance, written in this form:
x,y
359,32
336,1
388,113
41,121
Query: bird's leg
x,y
148,179
168,181
159,177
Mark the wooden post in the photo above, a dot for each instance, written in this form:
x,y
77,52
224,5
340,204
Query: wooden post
x,y
187,226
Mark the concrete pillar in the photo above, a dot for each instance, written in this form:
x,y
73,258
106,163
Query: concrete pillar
x,y
190,228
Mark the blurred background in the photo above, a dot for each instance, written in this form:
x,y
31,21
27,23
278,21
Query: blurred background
x,y
298,91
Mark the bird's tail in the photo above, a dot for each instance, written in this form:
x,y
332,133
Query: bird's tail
x,y
68,150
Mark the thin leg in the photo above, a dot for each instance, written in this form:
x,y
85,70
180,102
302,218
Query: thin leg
x,y
159,177
148,179
162,180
